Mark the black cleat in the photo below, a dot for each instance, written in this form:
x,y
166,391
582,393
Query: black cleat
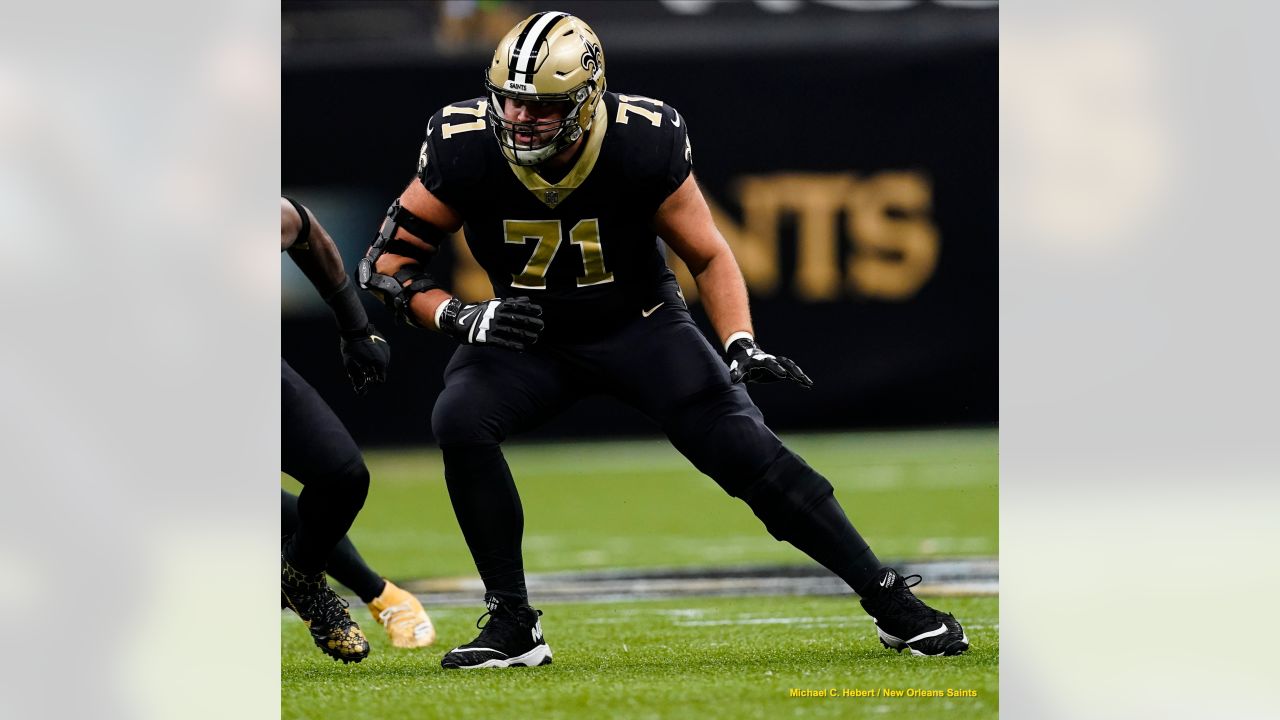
x,y
512,637
903,622
324,613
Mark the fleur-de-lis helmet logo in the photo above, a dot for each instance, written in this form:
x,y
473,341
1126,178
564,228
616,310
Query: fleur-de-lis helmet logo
x,y
590,58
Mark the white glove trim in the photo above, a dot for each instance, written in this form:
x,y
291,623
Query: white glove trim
x,y
736,337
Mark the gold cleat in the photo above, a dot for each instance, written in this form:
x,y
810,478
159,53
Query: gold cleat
x,y
402,615
324,613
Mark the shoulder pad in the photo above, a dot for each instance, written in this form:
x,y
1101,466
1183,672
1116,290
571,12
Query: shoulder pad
x,y
640,111
657,142
452,158
461,120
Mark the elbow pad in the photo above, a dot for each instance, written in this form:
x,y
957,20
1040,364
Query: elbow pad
x,y
391,289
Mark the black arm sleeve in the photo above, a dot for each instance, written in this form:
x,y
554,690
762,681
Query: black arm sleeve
x,y
347,310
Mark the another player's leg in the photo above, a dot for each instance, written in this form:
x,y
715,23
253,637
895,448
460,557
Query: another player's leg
x,y
679,380
488,394
318,452
397,610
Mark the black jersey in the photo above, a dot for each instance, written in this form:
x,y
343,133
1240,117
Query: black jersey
x,y
584,248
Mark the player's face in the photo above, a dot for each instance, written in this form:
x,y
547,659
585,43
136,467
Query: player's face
x,y
537,122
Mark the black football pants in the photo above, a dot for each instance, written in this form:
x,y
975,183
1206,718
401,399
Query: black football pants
x,y
663,366
345,564
317,451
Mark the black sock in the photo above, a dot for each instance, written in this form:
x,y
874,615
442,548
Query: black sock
x,y
826,535
488,509
347,567
345,564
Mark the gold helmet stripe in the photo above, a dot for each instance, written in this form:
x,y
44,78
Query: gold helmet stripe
x,y
524,56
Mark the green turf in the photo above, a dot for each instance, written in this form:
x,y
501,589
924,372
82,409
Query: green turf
x,y
717,657
639,503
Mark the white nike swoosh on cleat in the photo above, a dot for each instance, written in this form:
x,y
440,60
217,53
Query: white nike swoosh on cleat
x,y
540,655
932,633
652,310
478,649
890,639
375,338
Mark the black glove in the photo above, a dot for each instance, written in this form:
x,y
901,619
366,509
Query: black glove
x,y
748,363
513,323
365,355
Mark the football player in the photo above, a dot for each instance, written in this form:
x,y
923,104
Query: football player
x,y
561,187
316,449
394,608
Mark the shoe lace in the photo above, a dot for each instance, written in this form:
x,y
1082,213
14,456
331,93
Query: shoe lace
x,y
903,599
502,623
395,614
330,609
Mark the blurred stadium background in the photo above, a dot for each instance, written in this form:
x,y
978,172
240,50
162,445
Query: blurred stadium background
x,y
849,152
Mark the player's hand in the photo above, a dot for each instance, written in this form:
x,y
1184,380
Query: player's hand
x,y
366,355
749,364
512,323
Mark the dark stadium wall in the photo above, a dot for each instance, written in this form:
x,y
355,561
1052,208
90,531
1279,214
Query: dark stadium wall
x,y
858,190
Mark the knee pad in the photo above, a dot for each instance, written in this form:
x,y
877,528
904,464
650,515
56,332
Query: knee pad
x,y
786,491
353,480
358,476
347,486
724,438
724,435
351,470
457,421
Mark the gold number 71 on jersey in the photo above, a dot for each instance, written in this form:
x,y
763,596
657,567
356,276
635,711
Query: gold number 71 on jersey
x,y
627,105
585,234
448,130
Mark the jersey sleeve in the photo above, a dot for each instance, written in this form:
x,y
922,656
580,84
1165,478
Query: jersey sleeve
x,y
449,161
656,146
679,158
